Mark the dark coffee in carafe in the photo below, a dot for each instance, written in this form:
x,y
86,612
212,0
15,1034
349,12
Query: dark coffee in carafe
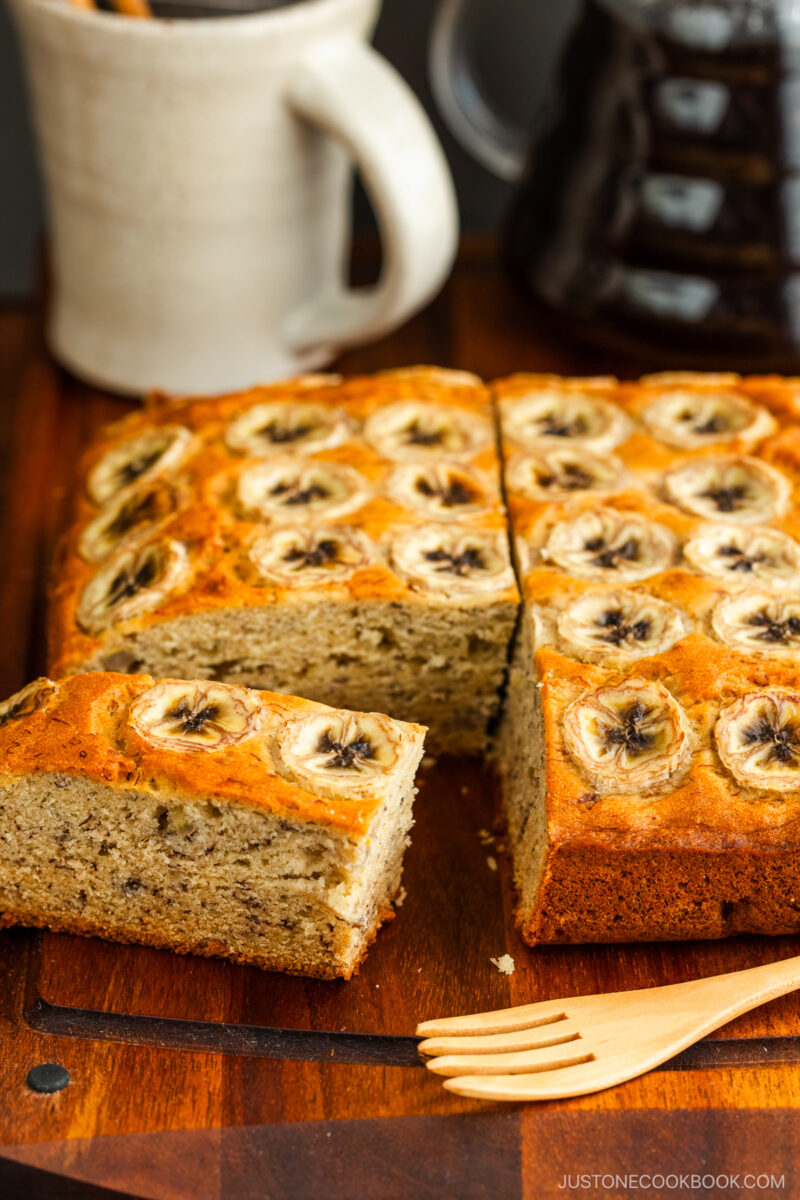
x,y
187,9
662,199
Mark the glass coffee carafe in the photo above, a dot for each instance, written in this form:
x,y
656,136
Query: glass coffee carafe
x,y
660,204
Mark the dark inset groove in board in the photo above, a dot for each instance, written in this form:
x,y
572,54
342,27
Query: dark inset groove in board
x,y
735,1052
255,1041
364,1049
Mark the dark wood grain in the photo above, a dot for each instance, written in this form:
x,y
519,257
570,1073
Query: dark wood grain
x,y
717,1145
209,1080
368,1158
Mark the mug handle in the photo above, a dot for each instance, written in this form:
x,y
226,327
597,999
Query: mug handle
x,y
497,144
349,90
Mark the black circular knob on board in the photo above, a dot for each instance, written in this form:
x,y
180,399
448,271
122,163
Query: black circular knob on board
x,y
47,1078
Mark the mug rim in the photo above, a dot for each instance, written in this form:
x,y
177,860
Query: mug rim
x,y
153,27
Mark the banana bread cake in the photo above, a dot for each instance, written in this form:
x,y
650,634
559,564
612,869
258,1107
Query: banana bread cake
x,y
343,540
650,748
203,818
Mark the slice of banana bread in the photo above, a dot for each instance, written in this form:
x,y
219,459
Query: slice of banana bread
x,y
650,747
203,818
340,540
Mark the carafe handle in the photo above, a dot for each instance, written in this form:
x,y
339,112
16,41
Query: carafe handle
x,y
494,142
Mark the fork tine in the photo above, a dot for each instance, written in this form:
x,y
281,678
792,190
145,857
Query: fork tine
x,y
553,1034
546,1058
502,1020
577,1080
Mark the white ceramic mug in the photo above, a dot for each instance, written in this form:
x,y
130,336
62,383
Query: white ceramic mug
x,y
198,179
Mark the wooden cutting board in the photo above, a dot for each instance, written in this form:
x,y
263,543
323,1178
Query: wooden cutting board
x,y
211,1080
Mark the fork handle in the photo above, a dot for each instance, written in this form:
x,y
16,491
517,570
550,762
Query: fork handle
x,y
739,991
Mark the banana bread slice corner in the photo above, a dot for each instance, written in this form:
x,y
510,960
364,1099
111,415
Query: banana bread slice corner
x,y
203,818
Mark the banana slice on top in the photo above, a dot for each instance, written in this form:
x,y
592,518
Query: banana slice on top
x,y
195,716
132,583
136,512
619,624
744,490
298,557
442,491
691,419
440,558
411,429
551,472
329,752
745,555
293,487
578,417
628,737
759,622
610,545
758,738
283,426
28,700
142,458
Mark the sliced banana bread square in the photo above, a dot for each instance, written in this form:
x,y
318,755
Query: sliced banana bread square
x,y
203,818
343,540
650,746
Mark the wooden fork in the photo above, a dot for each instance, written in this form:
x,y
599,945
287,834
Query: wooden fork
x,y
570,1047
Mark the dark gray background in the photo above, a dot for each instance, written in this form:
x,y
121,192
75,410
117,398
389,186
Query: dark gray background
x,y
515,41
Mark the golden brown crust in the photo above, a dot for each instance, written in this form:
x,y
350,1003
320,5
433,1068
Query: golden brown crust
x,y
83,729
592,894
698,856
218,533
